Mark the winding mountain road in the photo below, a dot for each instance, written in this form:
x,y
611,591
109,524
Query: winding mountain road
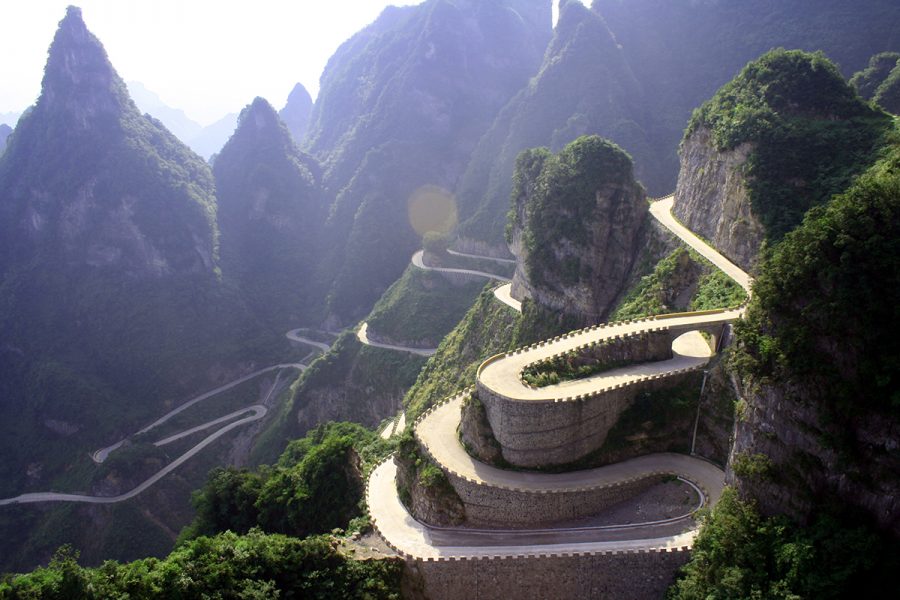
x,y
436,431
418,260
362,334
258,411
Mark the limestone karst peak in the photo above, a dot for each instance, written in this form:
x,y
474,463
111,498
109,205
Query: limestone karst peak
x,y
296,113
78,76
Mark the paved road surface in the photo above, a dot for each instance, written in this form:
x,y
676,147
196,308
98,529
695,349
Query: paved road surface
x,y
295,336
412,538
437,433
504,295
510,261
417,260
363,336
101,455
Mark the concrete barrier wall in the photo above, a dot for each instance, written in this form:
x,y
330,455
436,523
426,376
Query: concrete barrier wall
x,y
541,433
612,576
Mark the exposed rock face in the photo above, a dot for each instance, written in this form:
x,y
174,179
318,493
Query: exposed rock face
x,y
579,222
297,112
476,434
712,199
854,462
435,505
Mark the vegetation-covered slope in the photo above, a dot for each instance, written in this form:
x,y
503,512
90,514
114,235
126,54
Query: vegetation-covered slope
x,y
810,134
682,51
814,459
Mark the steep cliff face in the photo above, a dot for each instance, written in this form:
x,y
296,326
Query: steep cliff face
x,y
764,150
819,424
712,198
579,221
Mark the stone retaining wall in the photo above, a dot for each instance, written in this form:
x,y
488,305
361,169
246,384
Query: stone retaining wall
x,y
607,576
487,506
541,433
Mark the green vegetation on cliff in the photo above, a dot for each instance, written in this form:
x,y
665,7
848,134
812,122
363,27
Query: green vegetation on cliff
x,y
255,565
421,308
681,281
741,555
556,207
810,134
490,327
317,485
825,294
870,79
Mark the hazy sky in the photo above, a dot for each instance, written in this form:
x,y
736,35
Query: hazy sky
x,y
206,57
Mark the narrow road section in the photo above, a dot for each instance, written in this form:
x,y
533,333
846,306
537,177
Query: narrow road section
x,y
418,261
363,336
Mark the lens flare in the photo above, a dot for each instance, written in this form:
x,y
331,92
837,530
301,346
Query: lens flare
x,y
432,208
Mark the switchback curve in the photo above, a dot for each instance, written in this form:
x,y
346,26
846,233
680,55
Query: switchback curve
x,y
436,429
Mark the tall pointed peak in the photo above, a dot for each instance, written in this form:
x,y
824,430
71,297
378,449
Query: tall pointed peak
x,y
78,76
259,123
299,96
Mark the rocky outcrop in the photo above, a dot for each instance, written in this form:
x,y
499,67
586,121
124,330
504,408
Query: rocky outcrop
x,y
429,499
579,221
476,435
712,198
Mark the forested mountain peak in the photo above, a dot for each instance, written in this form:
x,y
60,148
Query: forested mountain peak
x,y
88,177
270,210
78,78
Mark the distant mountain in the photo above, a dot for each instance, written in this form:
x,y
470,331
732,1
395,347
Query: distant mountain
x,y
205,141
402,105
584,86
682,51
110,296
297,112
212,137
174,119
271,210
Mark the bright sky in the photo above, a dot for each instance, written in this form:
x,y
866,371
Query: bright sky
x,y
206,57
